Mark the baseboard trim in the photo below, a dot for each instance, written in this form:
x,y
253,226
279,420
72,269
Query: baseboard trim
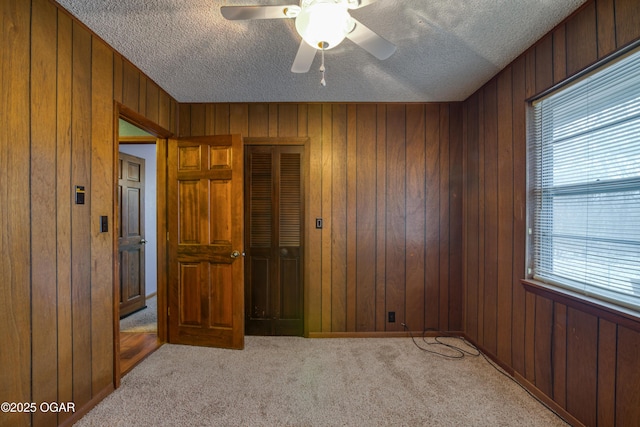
x,y
151,295
548,401
81,412
530,387
379,334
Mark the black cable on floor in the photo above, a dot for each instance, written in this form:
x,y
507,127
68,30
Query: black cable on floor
x,y
460,353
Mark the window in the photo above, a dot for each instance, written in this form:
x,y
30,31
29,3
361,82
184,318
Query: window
x,y
584,164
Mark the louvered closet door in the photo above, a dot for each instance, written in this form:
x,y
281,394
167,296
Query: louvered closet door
x,y
273,233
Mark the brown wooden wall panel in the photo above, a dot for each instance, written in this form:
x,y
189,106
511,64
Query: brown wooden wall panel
x,y
63,211
415,216
387,181
102,184
627,21
59,86
14,179
432,212
505,215
582,370
518,234
454,237
582,44
365,241
43,146
570,353
80,215
443,223
627,377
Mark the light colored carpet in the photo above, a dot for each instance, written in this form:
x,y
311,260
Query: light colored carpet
x,y
291,381
145,320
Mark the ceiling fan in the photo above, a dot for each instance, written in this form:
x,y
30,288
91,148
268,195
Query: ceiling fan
x,y
322,24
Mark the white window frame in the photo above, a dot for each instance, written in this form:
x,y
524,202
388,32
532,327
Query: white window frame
x,y
566,247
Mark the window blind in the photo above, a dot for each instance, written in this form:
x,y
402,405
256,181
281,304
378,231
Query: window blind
x,y
585,164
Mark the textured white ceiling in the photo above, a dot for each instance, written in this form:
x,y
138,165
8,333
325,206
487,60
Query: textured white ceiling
x,y
446,48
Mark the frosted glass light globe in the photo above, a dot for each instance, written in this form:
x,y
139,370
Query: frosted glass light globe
x,y
324,23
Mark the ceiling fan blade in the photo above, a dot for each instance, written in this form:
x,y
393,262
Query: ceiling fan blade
x,y
304,58
371,42
235,13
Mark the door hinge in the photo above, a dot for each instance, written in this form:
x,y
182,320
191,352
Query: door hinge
x,y
167,236
168,311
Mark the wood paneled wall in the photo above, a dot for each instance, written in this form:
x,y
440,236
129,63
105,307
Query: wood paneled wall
x,y
387,181
581,358
57,96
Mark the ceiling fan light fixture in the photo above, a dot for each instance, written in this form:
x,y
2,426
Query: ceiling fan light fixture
x,y
324,23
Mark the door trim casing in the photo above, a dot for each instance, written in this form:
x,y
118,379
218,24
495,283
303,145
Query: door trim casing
x,y
161,134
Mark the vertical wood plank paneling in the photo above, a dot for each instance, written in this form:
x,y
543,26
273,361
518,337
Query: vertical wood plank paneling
x,y
14,222
544,63
396,188
481,215
491,218
209,120
198,120
258,119
381,215
530,73
239,119
582,45
287,120
142,93
607,340
352,167
543,341
606,27
327,190
455,220
117,75
505,214
80,214
471,218
273,120
130,86
102,182
560,354
184,120
627,377
582,367
303,122
432,213
339,218
559,54
415,216
519,212
63,211
443,321
152,102
43,196
529,337
222,119
164,109
366,220
627,15
313,246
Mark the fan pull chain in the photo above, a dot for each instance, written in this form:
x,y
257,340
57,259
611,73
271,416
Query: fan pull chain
x,y
323,82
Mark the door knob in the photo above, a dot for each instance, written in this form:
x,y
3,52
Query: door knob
x,y
235,254
143,241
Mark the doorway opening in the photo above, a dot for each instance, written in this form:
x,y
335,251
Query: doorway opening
x,y
137,310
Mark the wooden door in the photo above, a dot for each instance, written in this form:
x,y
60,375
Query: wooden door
x,y
131,233
205,218
274,225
